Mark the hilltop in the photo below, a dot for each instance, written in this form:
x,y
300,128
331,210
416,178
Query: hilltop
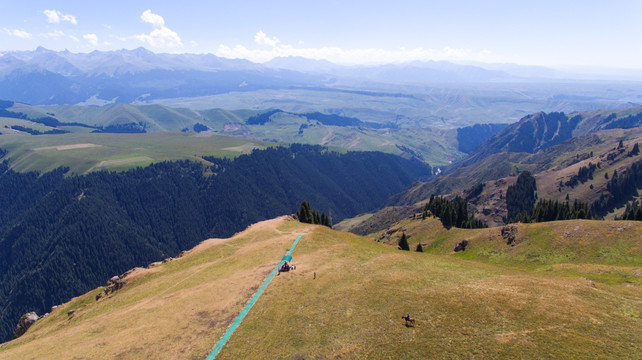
x,y
568,289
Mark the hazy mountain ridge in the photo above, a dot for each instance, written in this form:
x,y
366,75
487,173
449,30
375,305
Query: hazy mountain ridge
x,y
541,130
49,77
117,62
128,75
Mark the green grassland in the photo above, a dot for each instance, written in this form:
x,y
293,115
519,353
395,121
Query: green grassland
x,y
439,106
7,123
540,247
435,146
84,152
566,290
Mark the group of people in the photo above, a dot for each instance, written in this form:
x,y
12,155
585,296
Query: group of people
x,y
286,267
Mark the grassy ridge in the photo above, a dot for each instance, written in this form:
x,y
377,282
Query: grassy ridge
x,y
116,151
575,247
467,305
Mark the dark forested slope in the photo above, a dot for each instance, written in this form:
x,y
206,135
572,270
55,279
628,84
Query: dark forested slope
x,y
60,237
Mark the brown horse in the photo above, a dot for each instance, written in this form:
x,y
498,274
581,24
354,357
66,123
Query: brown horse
x,y
409,321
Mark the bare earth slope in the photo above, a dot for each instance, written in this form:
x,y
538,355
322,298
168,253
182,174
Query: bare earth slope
x,y
348,293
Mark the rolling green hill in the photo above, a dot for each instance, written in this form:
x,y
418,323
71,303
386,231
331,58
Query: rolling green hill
x,y
432,145
86,152
561,292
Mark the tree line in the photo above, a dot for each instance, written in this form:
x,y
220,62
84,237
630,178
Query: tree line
x,y
521,197
308,215
452,213
554,210
620,188
584,174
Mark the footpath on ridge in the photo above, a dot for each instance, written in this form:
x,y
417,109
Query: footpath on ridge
x,y
249,305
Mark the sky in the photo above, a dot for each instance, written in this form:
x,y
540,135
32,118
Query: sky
x,y
559,33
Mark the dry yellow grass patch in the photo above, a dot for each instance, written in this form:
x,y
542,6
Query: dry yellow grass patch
x,y
243,149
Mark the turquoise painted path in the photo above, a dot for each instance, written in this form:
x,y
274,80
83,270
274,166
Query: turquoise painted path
x,y
249,305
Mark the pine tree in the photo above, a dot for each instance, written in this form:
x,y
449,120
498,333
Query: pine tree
x,y
305,213
403,243
325,220
447,218
308,215
419,248
522,196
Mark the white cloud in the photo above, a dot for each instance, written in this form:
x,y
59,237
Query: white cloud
x,y
56,34
55,17
161,36
152,18
193,43
92,38
74,38
351,56
262,39
18,33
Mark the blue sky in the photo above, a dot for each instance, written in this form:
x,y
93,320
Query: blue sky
x,y
551,33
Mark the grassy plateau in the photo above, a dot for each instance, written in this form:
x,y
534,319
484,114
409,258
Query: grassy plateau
x,y
102,151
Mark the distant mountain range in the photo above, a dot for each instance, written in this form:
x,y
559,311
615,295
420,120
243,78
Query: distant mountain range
x,y
115,63
45,77
48,77
412,72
